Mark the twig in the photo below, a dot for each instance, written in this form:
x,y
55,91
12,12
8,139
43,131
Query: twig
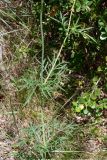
x,y
5,33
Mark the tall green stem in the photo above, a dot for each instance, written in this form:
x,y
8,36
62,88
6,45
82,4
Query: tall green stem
x,y
42,39
42,67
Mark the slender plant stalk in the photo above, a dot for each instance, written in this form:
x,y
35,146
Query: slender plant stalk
x,y
43,127
63,44
14,118
58,151
42,39
42,67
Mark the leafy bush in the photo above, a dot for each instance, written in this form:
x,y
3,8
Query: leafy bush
x,y
90,103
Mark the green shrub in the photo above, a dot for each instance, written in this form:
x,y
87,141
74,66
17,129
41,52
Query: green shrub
x,y
42,140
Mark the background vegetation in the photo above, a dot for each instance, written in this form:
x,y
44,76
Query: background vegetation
x,y
58,74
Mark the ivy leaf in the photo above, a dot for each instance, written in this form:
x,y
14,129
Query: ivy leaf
x,y
85,111
79,108
103,36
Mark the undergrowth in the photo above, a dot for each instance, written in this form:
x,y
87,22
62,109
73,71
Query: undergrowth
x,y
57,66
